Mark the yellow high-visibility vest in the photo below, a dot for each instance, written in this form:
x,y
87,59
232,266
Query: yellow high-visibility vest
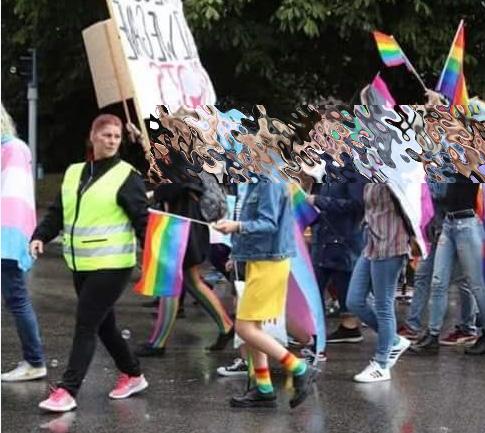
x,y
97,232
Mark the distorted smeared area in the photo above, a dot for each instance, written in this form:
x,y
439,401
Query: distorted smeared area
x,y
318,143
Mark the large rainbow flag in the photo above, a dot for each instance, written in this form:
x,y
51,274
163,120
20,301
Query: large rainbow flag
x,y
452,80
163,255
390,51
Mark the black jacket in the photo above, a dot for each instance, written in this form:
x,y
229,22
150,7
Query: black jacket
x,y
131,198
337,235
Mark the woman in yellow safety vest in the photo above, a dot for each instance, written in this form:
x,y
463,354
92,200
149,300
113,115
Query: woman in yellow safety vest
x,y
101,210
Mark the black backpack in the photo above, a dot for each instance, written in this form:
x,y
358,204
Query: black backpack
x,y
212,203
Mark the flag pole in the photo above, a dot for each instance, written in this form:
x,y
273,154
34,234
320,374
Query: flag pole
x,y
410,66
438,86
158,212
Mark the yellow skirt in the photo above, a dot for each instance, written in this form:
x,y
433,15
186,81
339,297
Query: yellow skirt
x,y
264,295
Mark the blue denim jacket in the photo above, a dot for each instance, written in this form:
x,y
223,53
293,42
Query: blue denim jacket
x,y
267,224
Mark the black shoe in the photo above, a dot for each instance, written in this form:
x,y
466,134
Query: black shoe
x,y
221,341
302,385
426,345
345,335
478,348
145,351
254,398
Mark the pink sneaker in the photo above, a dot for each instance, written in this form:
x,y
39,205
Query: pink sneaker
x,y
126,386
59,401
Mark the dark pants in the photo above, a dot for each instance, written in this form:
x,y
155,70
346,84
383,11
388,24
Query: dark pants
x,y
340,280
97,293
17,300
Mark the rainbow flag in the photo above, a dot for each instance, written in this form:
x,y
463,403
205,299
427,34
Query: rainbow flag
x,y
390,51
452,80
163,255
305,214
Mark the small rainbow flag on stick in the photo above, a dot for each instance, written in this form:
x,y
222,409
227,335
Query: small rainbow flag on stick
x,y
390,51
305,214
163,256
452,80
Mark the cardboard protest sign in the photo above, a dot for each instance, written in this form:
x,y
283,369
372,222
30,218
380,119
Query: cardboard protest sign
x,y
108,68
161,55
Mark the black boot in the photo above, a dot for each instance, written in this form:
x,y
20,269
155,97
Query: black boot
x,y
254,398
222,341
427,345
302,385
478,348
146,350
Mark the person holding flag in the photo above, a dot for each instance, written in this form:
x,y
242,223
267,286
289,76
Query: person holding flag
x,y
263,239
101,209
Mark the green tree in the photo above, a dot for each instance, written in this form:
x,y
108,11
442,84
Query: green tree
x,y
278,52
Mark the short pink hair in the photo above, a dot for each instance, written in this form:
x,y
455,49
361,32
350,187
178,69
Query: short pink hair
x,y
106,119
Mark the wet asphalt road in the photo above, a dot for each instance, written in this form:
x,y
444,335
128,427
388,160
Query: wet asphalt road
x,y
445,394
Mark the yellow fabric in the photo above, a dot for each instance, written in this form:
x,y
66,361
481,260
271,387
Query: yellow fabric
x,y
264,295
101,235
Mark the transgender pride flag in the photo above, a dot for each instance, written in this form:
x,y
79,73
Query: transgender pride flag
x,y
18,202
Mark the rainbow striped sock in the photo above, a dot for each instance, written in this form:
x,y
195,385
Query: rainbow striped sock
x,y
293,364
263,380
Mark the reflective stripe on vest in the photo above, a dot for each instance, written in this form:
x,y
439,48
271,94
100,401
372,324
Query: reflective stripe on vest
x,y
97,232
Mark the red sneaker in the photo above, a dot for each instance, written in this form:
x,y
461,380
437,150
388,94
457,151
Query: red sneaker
x,y
406,332
59,401
127,386
458,337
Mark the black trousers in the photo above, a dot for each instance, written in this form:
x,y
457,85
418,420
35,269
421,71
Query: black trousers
x,y
97,292
340,280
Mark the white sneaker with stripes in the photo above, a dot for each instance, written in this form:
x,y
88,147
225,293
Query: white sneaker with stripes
x,y
397,350
373,373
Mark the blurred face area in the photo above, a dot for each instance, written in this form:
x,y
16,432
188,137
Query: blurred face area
x,y
106,141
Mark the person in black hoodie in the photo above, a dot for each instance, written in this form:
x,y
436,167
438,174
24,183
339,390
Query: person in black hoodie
x,y
182,198
101,209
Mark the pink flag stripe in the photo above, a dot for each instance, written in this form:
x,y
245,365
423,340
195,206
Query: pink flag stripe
x,y
18,214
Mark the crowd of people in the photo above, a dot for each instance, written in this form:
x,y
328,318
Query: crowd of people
x,y
360,245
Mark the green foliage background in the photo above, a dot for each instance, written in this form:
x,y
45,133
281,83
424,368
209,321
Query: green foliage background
x,y
277,52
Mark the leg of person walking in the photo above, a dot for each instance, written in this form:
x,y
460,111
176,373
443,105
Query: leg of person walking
x,y
97,293
196,286
17,300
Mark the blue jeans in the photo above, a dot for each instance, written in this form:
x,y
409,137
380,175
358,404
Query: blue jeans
x,y
17,301
461,241
422,290
379,277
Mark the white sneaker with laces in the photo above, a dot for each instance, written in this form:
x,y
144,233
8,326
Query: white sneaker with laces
x,y
397,350
373,373
239,368
24,371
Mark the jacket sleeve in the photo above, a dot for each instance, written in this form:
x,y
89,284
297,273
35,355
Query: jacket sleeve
x,y
338,206
132,198
267,212
52,223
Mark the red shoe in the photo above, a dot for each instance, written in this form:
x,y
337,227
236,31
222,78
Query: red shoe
x,y
59,401
406,332
127,386
458,337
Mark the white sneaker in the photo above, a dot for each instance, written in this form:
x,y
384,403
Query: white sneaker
x,y
239,368
397,350
24,371
373,373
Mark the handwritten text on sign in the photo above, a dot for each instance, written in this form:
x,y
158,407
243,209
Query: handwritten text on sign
x,y
161,54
